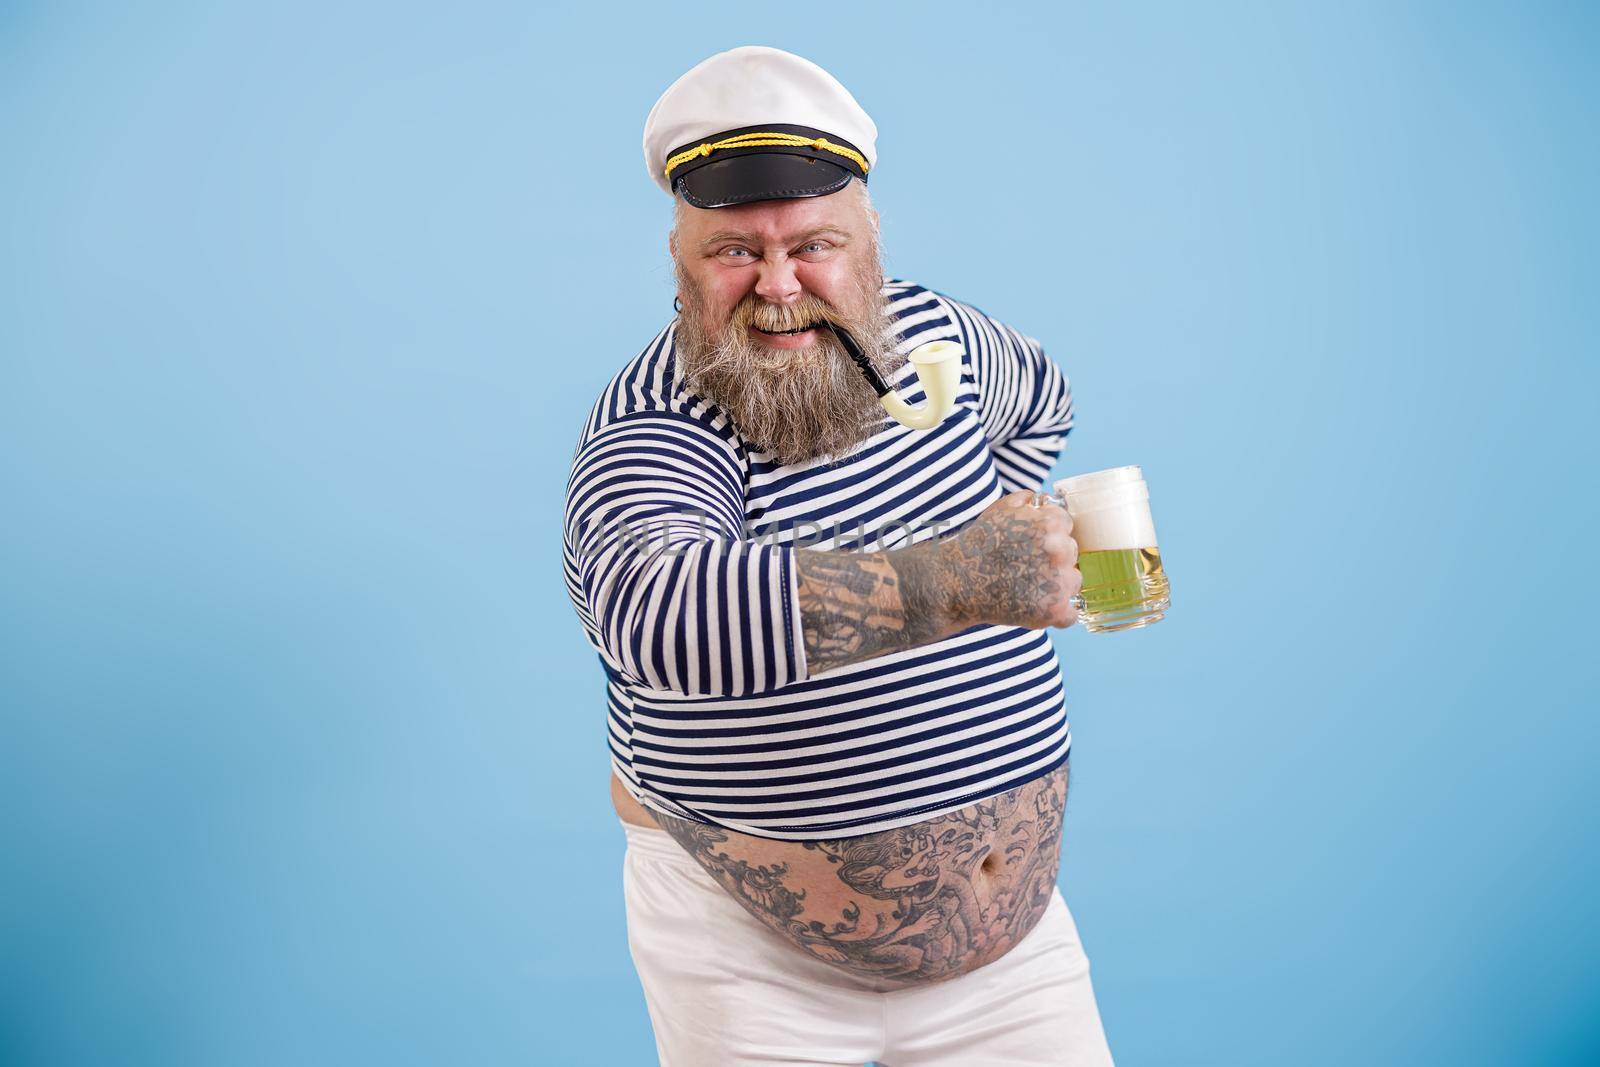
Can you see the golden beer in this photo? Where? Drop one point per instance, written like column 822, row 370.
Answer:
column 1124, row 586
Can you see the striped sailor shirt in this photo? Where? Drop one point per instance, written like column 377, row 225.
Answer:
column 679, row 557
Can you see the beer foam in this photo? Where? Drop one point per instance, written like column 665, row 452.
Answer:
column 1110, row 510
column 1119, row 527
column 1098, row 480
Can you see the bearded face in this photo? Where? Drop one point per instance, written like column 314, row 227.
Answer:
column 791, row 391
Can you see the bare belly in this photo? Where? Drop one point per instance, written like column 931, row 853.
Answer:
column 905, row 907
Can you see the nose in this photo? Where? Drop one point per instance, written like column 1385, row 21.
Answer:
column 779, row 282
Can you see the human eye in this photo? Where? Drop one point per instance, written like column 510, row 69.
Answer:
column 815, row 248
column 734, row 252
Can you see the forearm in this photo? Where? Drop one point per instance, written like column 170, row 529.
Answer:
column 1013, row 566
column 858, row 605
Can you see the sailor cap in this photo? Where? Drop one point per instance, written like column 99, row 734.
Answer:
column 757, row 123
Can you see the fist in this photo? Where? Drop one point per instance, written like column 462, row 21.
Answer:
column 1016, row 565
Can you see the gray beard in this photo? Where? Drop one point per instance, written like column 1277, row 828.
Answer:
column 797, row 404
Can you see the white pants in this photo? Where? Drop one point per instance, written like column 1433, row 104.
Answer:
column 725, row 991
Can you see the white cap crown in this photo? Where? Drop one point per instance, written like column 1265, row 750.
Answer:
column 750, row 86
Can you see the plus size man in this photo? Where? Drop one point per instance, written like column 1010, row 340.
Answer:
column 839, row 745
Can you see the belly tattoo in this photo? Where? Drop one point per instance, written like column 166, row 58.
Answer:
column 920, row 904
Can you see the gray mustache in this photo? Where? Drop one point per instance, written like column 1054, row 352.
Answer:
column 775, row 320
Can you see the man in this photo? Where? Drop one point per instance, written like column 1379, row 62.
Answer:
column 839, row 746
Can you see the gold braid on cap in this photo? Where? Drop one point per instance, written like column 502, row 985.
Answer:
column 762, row 140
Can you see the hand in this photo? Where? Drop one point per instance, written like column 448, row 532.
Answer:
column 1014, row 565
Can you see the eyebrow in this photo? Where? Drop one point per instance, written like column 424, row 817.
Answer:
column 752, row 238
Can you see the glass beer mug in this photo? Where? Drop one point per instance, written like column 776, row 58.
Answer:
column 1123, row 584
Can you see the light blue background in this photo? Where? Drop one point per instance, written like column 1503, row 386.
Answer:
column 303, row 755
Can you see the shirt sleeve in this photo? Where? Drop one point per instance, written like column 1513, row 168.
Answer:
column 1025, row 403
column 681, row 600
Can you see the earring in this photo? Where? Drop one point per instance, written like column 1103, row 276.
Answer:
column 677, row 308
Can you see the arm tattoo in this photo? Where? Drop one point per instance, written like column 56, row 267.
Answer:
column 854, row 606
column 857, row 606
column 918, row 910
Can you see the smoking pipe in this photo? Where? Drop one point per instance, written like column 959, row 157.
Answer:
column 938, row 366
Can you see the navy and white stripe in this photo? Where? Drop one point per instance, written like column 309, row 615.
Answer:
column 679, row 555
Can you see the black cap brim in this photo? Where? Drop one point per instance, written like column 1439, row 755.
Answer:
column 760, row 176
